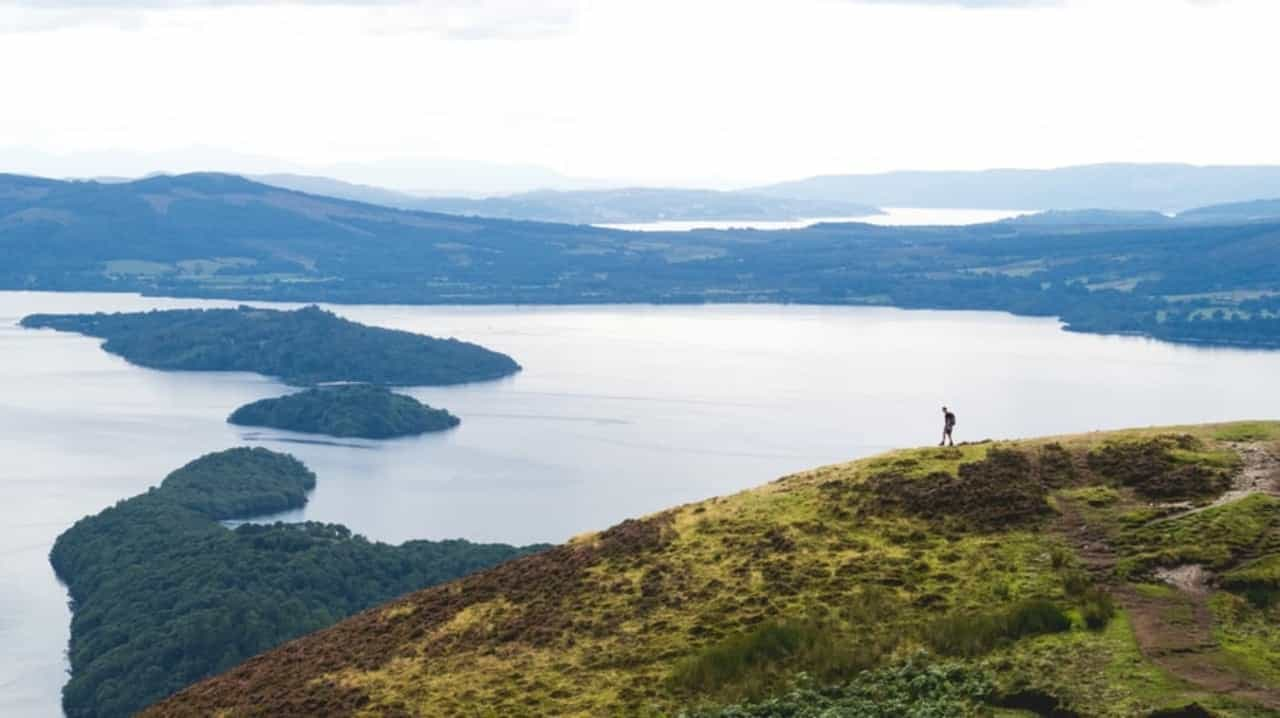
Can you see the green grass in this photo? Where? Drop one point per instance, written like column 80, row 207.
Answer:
column 1218, row 458
column 1158, row 591
column 975, row 634
column 1249, row 431
column 750, row 664
column 1093, row 495
column 1249, row 635
column 917, row 688
column 1218, row 537
column 1101, row 674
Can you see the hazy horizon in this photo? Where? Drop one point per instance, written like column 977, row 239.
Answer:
column 578, row 93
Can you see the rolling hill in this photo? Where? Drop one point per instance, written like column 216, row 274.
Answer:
column 643, row 204
column 1128, row 573
column 1163, row 187
column 1259, row 210
column 601, row 206
column 209, row 235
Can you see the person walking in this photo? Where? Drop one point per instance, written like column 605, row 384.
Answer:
column 948, row 423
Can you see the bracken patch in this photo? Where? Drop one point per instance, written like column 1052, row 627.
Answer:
column 539, row 585
column 999, row 491
column 1152, row 468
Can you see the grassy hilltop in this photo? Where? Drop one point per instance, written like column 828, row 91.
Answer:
column 1110, row 574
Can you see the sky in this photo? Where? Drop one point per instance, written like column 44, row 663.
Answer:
column 682, row 92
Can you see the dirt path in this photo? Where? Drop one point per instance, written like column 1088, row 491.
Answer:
column 1174, row 629
column 1259, row 475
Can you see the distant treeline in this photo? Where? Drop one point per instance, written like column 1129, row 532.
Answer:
column 225, row 237
column 164, row 595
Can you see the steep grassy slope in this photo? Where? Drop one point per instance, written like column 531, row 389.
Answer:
column 1103, row 574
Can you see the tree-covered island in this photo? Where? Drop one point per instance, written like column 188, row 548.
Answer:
column 346, row 410
column 302, row 347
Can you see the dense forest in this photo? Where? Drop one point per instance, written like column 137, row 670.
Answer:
column 302, row 347
column 223, row 236
column 346, row 410
column 163, row 594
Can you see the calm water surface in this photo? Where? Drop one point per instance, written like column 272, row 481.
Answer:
column 891, row 216
column 619, row 411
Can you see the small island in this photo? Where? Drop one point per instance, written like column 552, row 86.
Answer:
column 358, row 411
column 303, row 347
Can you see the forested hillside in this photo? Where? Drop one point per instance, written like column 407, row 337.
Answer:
column 223, row 236
column 164, row 595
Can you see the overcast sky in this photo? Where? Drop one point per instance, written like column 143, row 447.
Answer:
column 661, row 91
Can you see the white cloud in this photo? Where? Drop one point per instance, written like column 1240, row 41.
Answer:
column 662, row 90
column 969, row 3
column 456, row 18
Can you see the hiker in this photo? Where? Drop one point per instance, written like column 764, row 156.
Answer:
column 948, row 423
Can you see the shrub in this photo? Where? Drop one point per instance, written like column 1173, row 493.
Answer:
column 915, row 689
column 973, row 634
column 1097, row 608
column 1059, row 557
column 749, row 663
column 1075, row 583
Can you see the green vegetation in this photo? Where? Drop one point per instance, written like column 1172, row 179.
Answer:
column 1039, row 587
column 164, row 595
column 347, row 410
column 915, row 689
column 1218, row 537
column 976, row 634
column 222, row 236
column 1166, row 467
column 760, row 660
column 302, row 347
column 1248, row 431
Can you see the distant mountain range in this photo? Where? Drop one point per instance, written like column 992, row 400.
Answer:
column 1161, row 187
column 604, row 206
column 422, row 175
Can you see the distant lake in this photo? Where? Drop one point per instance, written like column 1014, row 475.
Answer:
column 892, row 216
column 620, row 411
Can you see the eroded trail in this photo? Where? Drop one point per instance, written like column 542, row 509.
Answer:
column 1260, row 474
column 1173, row 623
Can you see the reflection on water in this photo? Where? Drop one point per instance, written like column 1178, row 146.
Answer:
column 620, row 411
